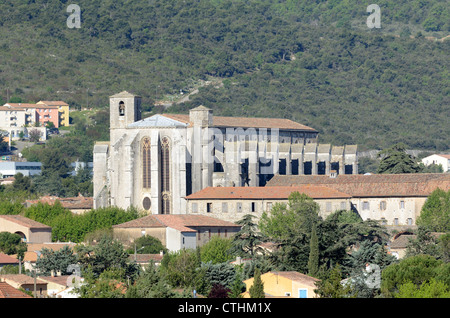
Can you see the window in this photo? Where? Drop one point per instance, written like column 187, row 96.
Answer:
column 146, row 203
column 396, row 221
column 209, row 207
column 410, row 221
column 121, row 109
column 194, row 207
column 383, row 205
column 343, row 205
column 253, row 207
column 328, row 207
column 146, row 160
column 402, row 204
column 383, row 221
column 165, row 175
column 269, row 206
column 302, row 293
column 239, row 207
column 224, row 207
column 365, row 205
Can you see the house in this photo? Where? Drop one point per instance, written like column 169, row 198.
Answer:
column 399, row 243
column 144, row 259
column 63, row 109
column 26, row 282
column 176, row 231
column 394, row 199
column 285, row 284
column 77, row 205
column 438, row 159
column 7, row 260
column 29, row 230
column 232, row 203
column 60, row 286
column 7, row 291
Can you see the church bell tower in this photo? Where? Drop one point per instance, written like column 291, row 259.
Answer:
column 125, row 108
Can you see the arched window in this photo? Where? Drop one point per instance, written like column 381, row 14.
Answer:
column 146, row 163
column 165, row 176
column 121, row 109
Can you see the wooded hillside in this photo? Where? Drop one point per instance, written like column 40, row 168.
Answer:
column 315, row 62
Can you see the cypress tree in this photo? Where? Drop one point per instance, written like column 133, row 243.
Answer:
column 257, row 289
column 313, row 262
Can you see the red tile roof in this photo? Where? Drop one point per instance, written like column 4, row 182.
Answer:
column 180, row 222
column 277, row 192
column 73, row 203
column 53, row 103
column 6, row 259
column 7, row 291
column 375, row 185
column 21, row 220
column 244, row 122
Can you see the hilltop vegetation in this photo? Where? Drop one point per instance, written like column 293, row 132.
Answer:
column 314, row 62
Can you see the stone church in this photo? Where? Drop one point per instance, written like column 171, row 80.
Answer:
column 155, row 162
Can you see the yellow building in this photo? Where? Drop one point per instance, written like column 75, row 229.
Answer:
column 63, row 111
column 288, row 284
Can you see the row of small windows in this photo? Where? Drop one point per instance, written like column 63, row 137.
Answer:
column 382, row 205
column 253, row 207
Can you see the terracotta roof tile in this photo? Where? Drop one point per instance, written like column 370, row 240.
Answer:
column 376, row 185
column 276, row 192
column 250, row 122
column 7, row 259
column 20, row 279
column 7, row 291
column 24, row 221
column 79, row 202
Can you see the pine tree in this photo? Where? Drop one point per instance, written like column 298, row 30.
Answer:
column 257, row 289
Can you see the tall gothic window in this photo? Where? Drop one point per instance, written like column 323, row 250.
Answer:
column 146, row 160
column 165, row 176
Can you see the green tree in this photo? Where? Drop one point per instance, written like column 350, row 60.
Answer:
column 416, row 269
column 295, row 218
column 331, row 285
column 395, row 160
column 257, row 288
column 248, row 237
column 435, row 213
column 428, row 289
column 147, row 244
column 11, row 243
column 55, row 261
column 313, row 262
column 150, row 284
column 217, row 250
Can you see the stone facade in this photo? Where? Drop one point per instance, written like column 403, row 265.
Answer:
column 154, row 163
column 232, row 203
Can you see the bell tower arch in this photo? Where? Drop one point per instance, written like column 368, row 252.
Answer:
column 125, row 108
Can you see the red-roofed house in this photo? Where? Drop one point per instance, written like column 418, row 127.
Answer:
column 285, row 284
column 394, row 199
column 232, row 203
column 7, row 291
column 7, row 260
column 28, row 229
column 176, row 231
